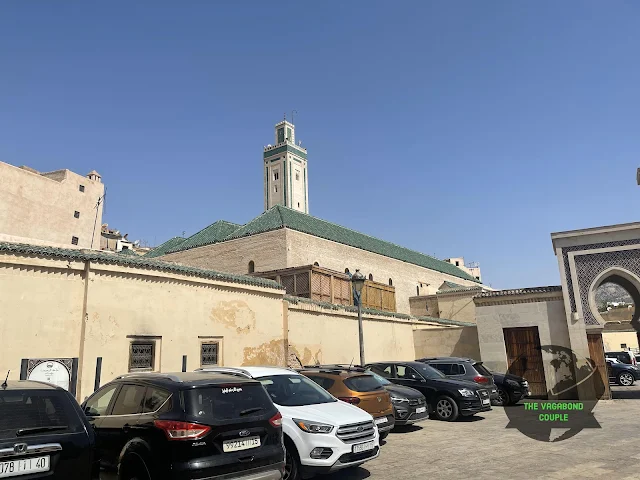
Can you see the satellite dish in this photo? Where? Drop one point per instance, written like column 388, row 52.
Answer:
column 268, row 145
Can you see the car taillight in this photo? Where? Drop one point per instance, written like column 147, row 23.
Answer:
column 481, row 379
column 351, row 400
column 276, row 420
column 182, row 430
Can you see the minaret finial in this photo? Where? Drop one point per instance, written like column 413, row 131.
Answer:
column 285, row 116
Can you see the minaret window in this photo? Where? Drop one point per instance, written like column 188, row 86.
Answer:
column 276, row 175
column 297, row 175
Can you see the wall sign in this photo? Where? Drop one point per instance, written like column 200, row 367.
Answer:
column 62, row 372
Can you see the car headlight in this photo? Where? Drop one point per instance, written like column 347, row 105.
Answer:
column 399, row 399
column 465, row 392
column 513, row 383
column 312, row 427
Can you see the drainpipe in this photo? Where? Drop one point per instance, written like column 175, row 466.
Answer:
column 83, row 329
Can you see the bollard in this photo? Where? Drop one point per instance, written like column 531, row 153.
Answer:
column 96, row 384
column 184, row 363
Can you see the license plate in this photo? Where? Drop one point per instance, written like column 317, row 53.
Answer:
column 364, row 447
column 380, row 420
column 421, row 409
column 486, row 401
column 240, row 444
column 24, row 467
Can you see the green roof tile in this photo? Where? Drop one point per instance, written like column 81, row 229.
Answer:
column 280, row 217
column 165, row 247
column 135, row 262
column 128, row 251
column 214, row 233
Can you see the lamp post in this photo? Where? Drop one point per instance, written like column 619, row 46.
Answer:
column 358, row 282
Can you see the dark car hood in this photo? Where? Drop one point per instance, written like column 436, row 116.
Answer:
column 499, row 378
column 455, row 383
column 402, row 391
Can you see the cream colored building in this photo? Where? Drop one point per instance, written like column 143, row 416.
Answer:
column 472, row 269
column 54, row 208
column 141, row 314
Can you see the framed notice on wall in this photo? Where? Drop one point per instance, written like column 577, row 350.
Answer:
column 62, row 372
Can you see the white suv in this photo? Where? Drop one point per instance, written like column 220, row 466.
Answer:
column 321, row 433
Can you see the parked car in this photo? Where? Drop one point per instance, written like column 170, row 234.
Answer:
column 622, row 373
column 449, row 397
column 321, row 434
column 625, row 357
column 186, row 425
column 637, row 359
column 43, row 433
column 511, row 389
column 353, row 385
column 409, row 405
column 464, row 369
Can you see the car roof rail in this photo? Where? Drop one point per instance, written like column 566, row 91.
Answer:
column 335, row 367
column 143, row 375
column 240, row 372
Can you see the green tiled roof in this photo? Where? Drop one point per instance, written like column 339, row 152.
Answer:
column 214, row 233
column 280, row 217
column 451, row 284
column 165, row 247
column 128, row 251
column 131, row 261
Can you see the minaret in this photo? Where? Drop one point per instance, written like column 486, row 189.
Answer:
column 285, row 171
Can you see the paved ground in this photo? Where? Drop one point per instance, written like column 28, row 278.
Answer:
column 481, row 448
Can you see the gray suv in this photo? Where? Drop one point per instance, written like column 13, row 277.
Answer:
column 464, row 369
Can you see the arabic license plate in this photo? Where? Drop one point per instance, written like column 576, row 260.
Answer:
column 240, row 444
column 486, row 401
column 380, row 420
column 421, row 409
column 15, row 468
column 364, row 447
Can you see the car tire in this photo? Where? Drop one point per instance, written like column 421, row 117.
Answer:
column 133, row 468
column 503, row 400
column 446, row 409
column 625, row 379
column 384, row 435
column 292, row 468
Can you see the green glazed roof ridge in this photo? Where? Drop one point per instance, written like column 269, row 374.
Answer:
column 163, row 247
column 200, row 238
column 439, row 265
column 137, row 261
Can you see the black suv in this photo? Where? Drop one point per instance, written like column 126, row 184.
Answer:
column 448, row 397
column 186, row 426
column 464, row 369
column 43, row 433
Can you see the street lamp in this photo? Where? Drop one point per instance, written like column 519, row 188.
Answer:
column 358, row 282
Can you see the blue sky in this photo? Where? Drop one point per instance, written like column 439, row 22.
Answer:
column 454, row 128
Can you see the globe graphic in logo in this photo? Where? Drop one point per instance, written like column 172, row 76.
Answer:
column 568, row 407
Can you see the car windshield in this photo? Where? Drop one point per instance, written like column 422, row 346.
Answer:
column 224, row 402
column 380, row 378
column 294, row 390
column 428, row 371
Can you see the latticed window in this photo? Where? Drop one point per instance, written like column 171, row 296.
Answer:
column 141, row 356
column 209, row 354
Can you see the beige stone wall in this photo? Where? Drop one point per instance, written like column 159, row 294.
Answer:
column 545, row 313
column 304, row 249
column 457, row 306
column 613, row 341
column 447, row 342
column 318, row 334
column 424, row 306
column 42, row 207
column 267, row 251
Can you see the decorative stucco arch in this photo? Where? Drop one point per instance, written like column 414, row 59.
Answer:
column 622, row 277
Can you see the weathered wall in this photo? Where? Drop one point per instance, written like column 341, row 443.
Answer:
column 447, row 342
column 42, row 207
column 304, row 249
column 545, row 313
column 424, row 306
column 267, row 251
column 613, row 341
column 318, row 334
column 457, row 306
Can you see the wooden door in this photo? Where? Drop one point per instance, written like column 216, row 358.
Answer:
column 524, row 357
column 596, row 353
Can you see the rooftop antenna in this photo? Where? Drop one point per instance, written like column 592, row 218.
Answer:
column 4, row 384
column 292, row 112
column 97, row 207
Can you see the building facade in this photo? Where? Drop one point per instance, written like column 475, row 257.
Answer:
column 55, row 208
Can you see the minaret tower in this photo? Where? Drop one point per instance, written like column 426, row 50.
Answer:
column 285, row 170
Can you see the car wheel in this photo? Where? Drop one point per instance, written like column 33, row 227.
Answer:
column 625, row 379
column 503, row 398
column 291, row 463
column 446, row 409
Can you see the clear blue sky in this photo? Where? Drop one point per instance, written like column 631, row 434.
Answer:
column 453, row 128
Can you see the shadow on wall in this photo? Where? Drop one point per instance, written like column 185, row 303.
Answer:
column 447, row 342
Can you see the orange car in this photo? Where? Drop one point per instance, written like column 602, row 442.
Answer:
column 353, row 385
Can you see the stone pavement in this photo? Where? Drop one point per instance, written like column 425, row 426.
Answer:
column 481, row 448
